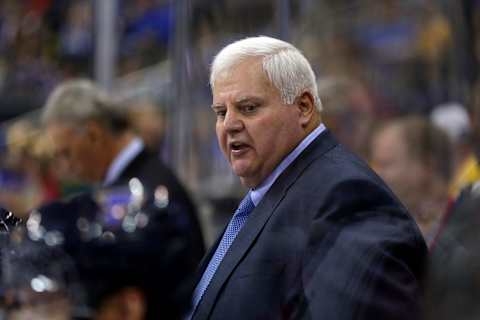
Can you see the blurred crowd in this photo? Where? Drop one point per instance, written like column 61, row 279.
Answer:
column 43, row 42
column 398, row 81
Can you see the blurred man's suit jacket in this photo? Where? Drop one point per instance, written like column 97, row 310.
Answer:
column 328, row 241
column 153, row 173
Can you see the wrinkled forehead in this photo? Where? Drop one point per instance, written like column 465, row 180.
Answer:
column 61, row 134
column 246, row 79
column 227, row 68
column 250, row 68
column 66, row 127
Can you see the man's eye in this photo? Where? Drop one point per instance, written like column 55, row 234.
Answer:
column 249, row 108
column 220, row 113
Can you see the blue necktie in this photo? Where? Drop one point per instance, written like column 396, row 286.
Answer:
column 233, row 228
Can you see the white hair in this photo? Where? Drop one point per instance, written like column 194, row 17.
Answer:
column 285, row 66
column 79, row 100
column 74, row 101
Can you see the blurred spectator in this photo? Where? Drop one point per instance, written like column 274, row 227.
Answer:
column 469, row 171
column 467, row 174
column 350, row 111
column 30, row 64
column 413, row 157
column 434, row 49
column 387, row 32
column 93, row 141
column 27, row 176
column 76, row 37
column 111, row 257
column 435, row 36
column 454, row 119
column 147, row 30
column 43, row 42
column 453, row 287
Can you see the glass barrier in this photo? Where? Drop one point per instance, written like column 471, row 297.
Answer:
column 375, row 61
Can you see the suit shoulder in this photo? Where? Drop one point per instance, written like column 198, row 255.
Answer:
column 338, row 165
column 344, row 187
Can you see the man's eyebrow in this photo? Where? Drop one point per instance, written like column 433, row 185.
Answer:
column 239, row 101
column 217, row 105
column 248, row 99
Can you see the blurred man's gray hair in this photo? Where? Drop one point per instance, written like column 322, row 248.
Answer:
column 285, row 66
column 76, row 101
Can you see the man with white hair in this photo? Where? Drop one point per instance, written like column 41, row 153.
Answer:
column 318, row 235
column 94, row 143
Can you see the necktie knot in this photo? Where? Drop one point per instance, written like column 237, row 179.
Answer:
column 245, row 207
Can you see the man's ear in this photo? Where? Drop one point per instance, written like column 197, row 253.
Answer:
column 306, row 106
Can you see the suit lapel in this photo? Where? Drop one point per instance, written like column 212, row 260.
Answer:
column 257, row 220
column 244, row 240
column 206, row 259
column 132, row 168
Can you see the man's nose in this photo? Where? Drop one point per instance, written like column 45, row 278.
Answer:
column 233, row 121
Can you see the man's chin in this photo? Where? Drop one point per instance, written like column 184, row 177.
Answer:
column 244, row 171
column 249, row 181
column 241, row 170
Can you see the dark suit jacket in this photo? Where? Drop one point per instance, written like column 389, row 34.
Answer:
column 156, row 258
column 328, row 241
column 452, row 288
column 152, row 172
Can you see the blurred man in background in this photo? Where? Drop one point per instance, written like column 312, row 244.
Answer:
column 453, row 287
column 102, row 256
column 318, row 235
column 414, row 158
column 94, row 143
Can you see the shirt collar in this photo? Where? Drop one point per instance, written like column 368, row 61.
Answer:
column 122, row 160
column 258, row 192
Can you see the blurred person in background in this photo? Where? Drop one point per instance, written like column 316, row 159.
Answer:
column 27, row 177
column 148, row 27
column 76, row 37
column 350, row 111
column 29, row 63
column 470, row 185
column 318, row 235
column 454, row 119
column 469, row 171
column 93, row 142
column 108, row 255
column 453, row 287
column 435, row 47
column 414, row 158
